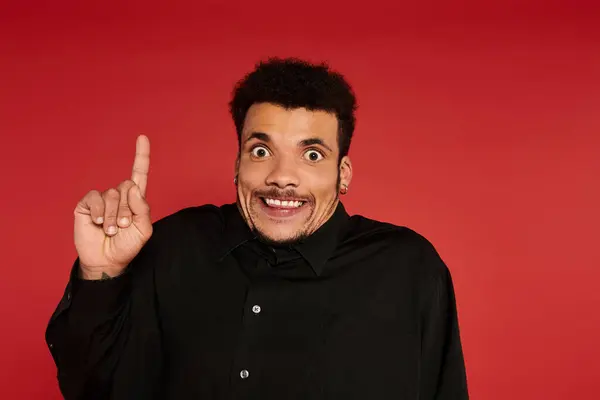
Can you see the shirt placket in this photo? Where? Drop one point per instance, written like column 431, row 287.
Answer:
column 246, row 370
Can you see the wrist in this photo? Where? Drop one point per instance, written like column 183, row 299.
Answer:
column 99, row 274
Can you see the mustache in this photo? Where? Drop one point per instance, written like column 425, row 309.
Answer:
column 278, row 193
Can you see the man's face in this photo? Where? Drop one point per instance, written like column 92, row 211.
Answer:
column 288, row 171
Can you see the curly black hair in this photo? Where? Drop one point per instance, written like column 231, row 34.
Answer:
column 294, row 83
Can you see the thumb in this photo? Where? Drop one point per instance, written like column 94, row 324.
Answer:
column 140, row 209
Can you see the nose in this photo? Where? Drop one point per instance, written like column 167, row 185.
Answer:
column 283, row 174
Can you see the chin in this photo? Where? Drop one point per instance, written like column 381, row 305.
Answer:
column 279, row 238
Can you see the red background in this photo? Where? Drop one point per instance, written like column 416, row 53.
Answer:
column 478, row 127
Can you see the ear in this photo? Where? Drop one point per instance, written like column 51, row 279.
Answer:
column 236, row 168
column 345, row 171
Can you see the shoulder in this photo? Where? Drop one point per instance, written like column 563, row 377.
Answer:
column 406, row 247
column 191, row 230
column 412, row 261
column 211, row 214
column 206, row 219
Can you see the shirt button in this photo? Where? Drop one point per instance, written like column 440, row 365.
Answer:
column 244, row 373
column 69, row 296
column 256, row 309
column 51, row 345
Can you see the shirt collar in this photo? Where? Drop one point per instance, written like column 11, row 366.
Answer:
column 236, row 231
column 316, row 249
column 319, row 247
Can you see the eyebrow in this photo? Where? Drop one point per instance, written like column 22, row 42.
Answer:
column 260, row 136
column 303, row 143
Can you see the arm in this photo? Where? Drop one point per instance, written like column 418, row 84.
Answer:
column 443, row 372
column 87, row 334
column 90, row 327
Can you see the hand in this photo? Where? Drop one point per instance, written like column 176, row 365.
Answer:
column 112, row 227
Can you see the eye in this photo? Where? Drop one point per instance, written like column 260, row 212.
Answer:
column 313, row 155
column 260, row 152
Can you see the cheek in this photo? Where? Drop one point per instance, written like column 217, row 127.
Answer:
column 251, row 178
column 324, row 185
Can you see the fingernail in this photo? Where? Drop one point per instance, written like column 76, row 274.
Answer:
column 99, row 220
column 123, row 221
column 111, row 230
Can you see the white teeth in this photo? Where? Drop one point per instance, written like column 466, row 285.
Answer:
column 285, row 203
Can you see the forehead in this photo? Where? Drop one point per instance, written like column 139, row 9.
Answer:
column 277, row 121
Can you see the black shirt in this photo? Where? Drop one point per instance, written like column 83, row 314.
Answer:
column 361, row 309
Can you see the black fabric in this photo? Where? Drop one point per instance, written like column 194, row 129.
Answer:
column 361, row 309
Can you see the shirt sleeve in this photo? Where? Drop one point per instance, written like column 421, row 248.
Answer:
column 443, row 372
column 86, row 332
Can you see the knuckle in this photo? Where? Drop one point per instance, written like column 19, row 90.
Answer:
column 111, row 196
column 110, row 213
column 90, row 197
column 111, row 210
column 124, row 211
column 97, row 207
column 91, row 201
column 138, row 170
column 111, row 193
column 126, row 184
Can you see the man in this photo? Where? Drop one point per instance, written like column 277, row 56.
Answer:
column 282, row 295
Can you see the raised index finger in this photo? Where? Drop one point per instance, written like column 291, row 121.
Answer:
column 141, row 164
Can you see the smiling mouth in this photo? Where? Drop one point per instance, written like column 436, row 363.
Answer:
column 277, row 203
